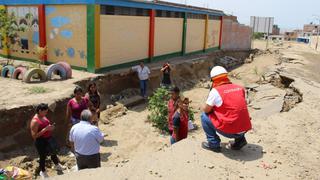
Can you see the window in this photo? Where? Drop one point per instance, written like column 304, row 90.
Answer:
column 169, row 14
column 196, row 16
column 24, row 44
column 125, row 11
column 212, row 17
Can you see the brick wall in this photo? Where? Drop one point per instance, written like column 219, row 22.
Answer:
column 235, row 36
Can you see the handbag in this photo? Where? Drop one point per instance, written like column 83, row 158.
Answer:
column 53, row 146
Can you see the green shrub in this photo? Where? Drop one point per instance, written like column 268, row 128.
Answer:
column 257, row 35
column 158, row 107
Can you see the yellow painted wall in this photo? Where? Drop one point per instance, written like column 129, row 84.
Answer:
column 168, row 35
column 30, row 35
column 66, row 33
column 216, row 30
column 210, row 34
column 123, row 39
column 195, row 35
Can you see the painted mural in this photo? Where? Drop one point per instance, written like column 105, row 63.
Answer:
column 25, row 43
column 67, row 34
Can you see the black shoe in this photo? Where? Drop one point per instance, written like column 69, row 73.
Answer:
column 206, row 146
column 239, row 143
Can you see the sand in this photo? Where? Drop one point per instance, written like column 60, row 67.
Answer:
column 282, row 145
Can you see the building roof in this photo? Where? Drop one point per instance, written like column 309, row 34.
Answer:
column 159, row 5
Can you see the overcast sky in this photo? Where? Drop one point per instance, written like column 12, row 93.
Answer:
column 288, row 14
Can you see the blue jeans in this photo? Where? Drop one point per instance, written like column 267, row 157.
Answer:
column 211, row 132
column 143, row 87
column 172, row 141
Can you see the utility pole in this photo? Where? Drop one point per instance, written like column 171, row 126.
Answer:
column 318, row 34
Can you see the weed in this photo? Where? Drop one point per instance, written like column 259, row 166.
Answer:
column 38, row 90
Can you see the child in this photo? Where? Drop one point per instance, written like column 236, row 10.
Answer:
column 180, row 120
column 94, row 97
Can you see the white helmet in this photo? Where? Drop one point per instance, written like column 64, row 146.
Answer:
column 217, row 70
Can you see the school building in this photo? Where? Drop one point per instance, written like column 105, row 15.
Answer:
column 101, row 35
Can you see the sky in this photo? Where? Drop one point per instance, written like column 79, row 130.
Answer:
column 288, row 14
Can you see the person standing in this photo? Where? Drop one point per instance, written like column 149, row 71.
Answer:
column 143, row 74
column 225, row 112
column 94, row 97
column 76, row 105
column 180, row 121
column 172, row 106
column 86, row 139
column 166, row 80
column 41, row 131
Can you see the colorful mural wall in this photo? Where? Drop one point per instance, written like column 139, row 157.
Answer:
column 66, row 34
column 25, row 43
column 117, row 33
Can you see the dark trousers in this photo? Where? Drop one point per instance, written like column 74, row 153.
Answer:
column 42, row 148
column 88, row 162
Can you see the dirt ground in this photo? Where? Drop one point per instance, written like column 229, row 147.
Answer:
column 15, row 93
column 282, row 145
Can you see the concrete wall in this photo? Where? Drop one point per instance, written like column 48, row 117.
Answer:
column 66, row 31
column 168, row 35
column 123, row 39
column 235, row 36
column 213, row 33
column 195, row 35
column 24, row 46
column 313, row 42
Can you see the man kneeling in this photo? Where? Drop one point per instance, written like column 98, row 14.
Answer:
column 86, row 139
column 225, row 112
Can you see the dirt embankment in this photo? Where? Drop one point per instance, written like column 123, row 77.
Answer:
column 14, row 122
column 282, row 143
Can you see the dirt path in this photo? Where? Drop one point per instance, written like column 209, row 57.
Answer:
column 281, row 145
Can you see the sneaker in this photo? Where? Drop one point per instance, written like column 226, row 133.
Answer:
column 43, row 175
column 206, row 146
column 59, row 167
column 238, row 144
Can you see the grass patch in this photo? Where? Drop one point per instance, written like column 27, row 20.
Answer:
column 38, row 90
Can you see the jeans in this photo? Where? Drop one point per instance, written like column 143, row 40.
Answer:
column 143, row 87
column 172, row 141
column 211, row 132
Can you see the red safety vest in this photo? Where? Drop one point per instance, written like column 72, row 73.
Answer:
column 232, row 116
column 183, row 128
column 42, row 125
column 170, row 114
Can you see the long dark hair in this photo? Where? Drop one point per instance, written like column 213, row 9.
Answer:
column 90, row 85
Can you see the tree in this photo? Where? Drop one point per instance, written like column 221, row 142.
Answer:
column 8, row 29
